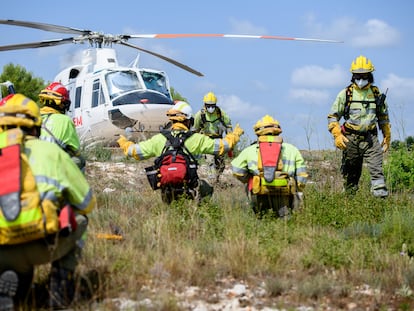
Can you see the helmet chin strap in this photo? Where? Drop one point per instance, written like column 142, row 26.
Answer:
column 61, row 108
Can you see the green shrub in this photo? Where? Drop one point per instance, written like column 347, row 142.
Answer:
column 399, row 169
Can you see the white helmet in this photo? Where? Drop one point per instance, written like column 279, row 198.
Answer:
column 181, row 111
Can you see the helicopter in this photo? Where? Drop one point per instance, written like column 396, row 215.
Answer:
column 108, row 99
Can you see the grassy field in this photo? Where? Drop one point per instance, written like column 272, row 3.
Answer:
column 335, row 253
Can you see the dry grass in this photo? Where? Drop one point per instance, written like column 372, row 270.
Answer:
column 322, row 257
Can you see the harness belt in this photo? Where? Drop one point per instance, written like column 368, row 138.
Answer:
column 347, row 130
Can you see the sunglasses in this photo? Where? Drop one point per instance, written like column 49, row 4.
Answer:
column 209, row 105
column 363, row 76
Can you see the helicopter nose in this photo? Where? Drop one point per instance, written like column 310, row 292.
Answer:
column 147, row 97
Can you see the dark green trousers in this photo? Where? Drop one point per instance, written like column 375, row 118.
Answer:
column 362, row 148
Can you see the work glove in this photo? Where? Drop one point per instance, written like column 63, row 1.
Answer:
column 238, row 130
column 340, row 139
column 386, row 132
column 124, row 144
column 128, row 132
column 231, row 139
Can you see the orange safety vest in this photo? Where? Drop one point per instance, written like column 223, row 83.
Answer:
column 23, row 217
column 271, row 179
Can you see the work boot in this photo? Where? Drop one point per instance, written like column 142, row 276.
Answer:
column 62, row 288
column 8, row 288
column 380, row 193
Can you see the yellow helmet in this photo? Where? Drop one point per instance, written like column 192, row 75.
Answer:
column 19, row 110
column 267, row 126
column 181, row 111
column 361, row 64
column 210, row 99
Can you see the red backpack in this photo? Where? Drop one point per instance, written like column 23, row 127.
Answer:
column 175, row 167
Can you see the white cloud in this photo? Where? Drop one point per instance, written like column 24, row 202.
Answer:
column 376, row 33
column 246, row 27
column 70, row 57
column 399, row 98
column 260, row 85
column 239, row 109
column 336, row 30
column 399, row 88
column 310, row 96
column 360, row 34
column 317, row 76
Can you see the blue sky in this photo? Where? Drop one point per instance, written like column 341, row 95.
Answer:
column 295, row 82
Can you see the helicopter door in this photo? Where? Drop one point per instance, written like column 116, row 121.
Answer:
column 74, row 111
column 95, row 114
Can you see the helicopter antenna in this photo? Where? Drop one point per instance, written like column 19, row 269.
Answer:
column 136, row 61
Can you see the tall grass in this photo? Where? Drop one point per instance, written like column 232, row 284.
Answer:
column 331, row 246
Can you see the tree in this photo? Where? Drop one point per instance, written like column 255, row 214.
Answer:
column 176, row 96
column 24, row 81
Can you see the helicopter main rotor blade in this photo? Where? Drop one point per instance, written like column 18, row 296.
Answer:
column 46, row 27
column 170, row 60
column 32, row 45
column 217, row 35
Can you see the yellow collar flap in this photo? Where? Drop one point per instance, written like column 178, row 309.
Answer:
column 270, row 139
column 48, row 110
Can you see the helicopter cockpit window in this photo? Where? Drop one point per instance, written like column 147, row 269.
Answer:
column 155, row 81
column 120, row 82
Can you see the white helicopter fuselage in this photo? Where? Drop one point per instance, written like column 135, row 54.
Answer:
column 107, row 99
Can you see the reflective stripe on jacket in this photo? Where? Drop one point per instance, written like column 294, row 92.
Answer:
column 245, row 166
column 62, row 128
column 57, row 176
column 196, row 144
column 214, row 125
column 362, row 110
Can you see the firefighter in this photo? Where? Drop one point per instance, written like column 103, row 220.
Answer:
column 57, row 127
column 54, row 181
column 214, row 122
column 181, row 117
column 274, row 171
column 363, row 107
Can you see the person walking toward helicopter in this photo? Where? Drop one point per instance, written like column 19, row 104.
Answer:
column 214, row 122
column 57, row 127
column 362, row 106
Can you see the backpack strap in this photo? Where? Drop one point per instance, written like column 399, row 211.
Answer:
column 177, row 142
column 67, row 149
column 204, row 119
column 379, row 99
column 348, row 99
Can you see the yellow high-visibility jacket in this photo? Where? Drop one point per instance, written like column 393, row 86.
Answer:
column 196, row 144
column 245, row 165
column 59, row 128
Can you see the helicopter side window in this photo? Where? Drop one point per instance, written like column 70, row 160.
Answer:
column 78, row 96
column 120, row 82
column 95, row 93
